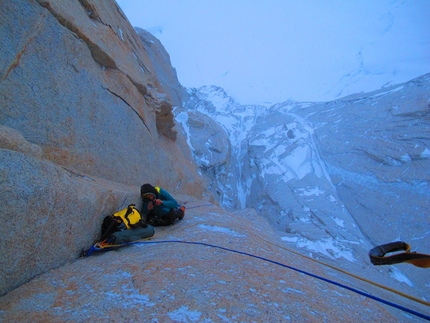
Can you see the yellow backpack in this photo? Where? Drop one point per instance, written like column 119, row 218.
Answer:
column 129, row 216
column 121, row 228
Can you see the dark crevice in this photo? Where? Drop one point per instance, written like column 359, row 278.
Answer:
column 77, row 174
column 119, row 97
column 90, row 10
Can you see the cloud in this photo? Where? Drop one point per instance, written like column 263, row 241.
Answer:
column 271, row 51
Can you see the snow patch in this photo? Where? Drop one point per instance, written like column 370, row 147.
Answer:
column 309, row 191
column 331, row 198
column 406, row 158
column 182, row 118
column 398, row 275
column 339, row 222
column 220, row 229
column 425, row 153
column 290, row 239
column 183, row 314
column 328, row 247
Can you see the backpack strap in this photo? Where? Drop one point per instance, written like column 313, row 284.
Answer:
column 377, row 255
column 139, row 224
column 129, row 211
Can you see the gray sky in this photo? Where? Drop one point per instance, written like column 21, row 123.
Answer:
column 269, row 51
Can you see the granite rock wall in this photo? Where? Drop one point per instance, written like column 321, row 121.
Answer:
column 84, row 121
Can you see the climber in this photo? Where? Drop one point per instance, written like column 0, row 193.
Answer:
column 159, row 207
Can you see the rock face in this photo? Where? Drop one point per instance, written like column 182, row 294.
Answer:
column 216, row 151
column 376, row 148
column 166, row 74
column 226, row 171
column 85, row 121
column 210, row 147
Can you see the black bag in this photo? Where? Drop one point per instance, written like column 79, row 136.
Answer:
column 109, row 227
column 121, row 237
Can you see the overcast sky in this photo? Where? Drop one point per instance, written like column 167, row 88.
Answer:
column 269, row 51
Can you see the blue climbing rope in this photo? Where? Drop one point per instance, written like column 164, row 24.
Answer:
column 378, row 299
column 196, row 206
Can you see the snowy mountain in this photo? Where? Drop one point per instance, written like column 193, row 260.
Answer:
column 334, row 179
column 228, row 172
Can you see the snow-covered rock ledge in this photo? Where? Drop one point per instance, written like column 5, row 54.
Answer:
column 181, row 282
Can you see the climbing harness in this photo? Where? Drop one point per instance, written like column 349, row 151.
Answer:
column 377, row 255
column 104, row 245
column 196, row 206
